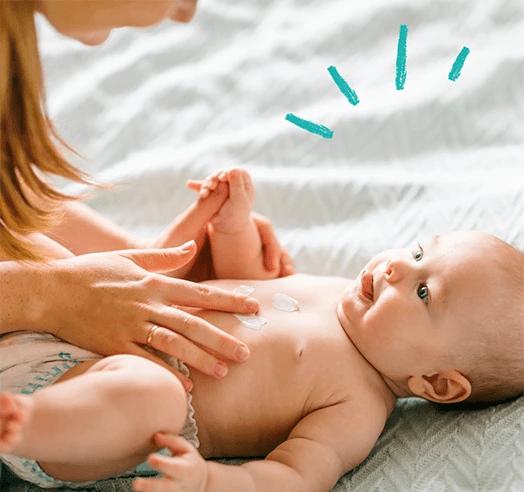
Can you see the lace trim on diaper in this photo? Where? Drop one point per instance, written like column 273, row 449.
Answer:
column 190, row 429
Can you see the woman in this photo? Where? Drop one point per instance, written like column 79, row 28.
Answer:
column 105, row 295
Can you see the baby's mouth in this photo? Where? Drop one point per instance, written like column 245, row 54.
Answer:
column 366, row 286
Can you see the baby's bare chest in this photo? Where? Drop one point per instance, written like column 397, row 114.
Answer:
column 300, row 360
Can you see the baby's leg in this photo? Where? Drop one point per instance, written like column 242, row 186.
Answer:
column 236, row 246
column 100, row 423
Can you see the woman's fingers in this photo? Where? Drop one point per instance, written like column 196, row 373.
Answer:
column 194, row 184
column 286, row 264
column 162, row 259
column 270, row 244
column 137, row 350
column 197, row 330
column 185, row 293
column 173, row 342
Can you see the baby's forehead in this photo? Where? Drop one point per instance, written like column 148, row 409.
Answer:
column 468, row 265
column 467, row 248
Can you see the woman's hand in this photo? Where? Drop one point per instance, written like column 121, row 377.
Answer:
column 108, row 303
column 186, row 470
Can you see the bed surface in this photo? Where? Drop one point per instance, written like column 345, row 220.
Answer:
column 149, row 111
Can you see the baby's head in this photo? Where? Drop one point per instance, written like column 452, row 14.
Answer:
column 444, row 320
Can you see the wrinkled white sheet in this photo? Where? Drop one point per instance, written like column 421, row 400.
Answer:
column 151, row 109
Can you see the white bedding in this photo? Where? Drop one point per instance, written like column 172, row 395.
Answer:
column 151, row 109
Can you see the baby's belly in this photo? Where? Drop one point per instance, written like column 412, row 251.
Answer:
column 253, row 409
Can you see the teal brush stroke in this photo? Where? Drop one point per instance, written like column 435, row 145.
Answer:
column 310, row 126
column 400, row 79
column 454, row 74
column 343, row 86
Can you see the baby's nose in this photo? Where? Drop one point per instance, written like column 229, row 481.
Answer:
column 393, row 270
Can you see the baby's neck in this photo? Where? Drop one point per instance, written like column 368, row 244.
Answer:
column 396, row 389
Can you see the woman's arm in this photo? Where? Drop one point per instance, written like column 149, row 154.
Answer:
column 83, row 230
column 18, row 310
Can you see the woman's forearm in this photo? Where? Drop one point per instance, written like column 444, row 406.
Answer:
column 83, row 230
column 22, row 305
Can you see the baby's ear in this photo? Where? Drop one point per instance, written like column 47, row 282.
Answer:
column 443, row 387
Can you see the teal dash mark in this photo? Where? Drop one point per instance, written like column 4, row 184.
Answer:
column 343, row 86
column 400, row 79
column 454, row 74
column 321, row 130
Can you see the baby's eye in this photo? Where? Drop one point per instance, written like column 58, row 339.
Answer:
column 423, row 292
column 418, row 253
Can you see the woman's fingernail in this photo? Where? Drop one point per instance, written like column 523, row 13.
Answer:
column 251, row 303
column 186, row 247
column 242, row 353
column 220, row 369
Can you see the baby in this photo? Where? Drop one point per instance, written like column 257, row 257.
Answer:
column 329, row 358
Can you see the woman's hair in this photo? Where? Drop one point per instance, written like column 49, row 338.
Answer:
column 28, row 140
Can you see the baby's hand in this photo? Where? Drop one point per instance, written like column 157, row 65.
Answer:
column 234, row 214
column 186, row 470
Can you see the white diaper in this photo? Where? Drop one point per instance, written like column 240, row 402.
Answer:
column 30, row 361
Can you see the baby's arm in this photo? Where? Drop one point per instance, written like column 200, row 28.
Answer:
column 236, row 246
column 322, row 447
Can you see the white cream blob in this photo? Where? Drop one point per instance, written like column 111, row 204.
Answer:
column 244, row 290
column 283, row 302
column 252, row 321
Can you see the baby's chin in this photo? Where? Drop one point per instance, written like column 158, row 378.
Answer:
column 345, row 323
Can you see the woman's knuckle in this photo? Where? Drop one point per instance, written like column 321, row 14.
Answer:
column 167, row 338
column 204, row 291
column 191, row 323
column 224, row 345
column 150, row 280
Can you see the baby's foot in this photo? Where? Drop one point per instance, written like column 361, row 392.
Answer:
column 235, row 212
column 15, row 412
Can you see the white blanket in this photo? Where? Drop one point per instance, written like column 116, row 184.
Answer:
column 151, row 109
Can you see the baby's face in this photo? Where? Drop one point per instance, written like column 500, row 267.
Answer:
column 409, row 306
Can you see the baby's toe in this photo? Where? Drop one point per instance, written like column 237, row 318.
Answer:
column 236, row 182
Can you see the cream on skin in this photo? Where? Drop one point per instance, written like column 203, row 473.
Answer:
column 91, row 21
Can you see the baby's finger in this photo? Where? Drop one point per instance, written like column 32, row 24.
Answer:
column 177, row 444
column 167, row 465
column 153, row 485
